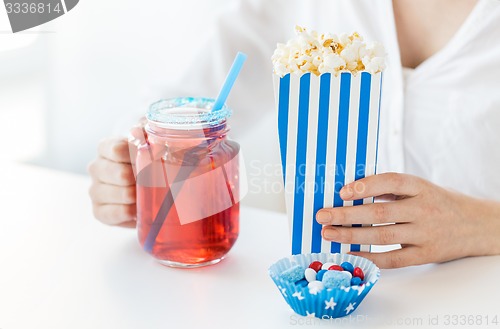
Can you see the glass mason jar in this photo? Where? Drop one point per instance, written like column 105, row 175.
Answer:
column 187, row 176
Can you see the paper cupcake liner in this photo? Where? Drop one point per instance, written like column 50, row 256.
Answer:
column 329, row 303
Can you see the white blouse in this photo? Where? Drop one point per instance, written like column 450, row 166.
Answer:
column 442, row 123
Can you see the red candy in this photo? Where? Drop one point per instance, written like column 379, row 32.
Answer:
column 335, row 268
column 358, row 273
column 316, row 266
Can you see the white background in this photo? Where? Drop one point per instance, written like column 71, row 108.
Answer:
column 85, row 75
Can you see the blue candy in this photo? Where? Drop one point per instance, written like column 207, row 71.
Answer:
column 336, row 279
column 347, row 267
column 293, row 274
column 303, row 283
column 355, row 281
column 320, row 274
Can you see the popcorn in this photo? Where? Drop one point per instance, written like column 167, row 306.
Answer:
column 311, row 52
column 332, row 63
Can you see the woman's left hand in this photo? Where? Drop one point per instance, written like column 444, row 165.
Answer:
column 432, row 224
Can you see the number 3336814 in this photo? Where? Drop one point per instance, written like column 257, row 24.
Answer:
column 31, row 8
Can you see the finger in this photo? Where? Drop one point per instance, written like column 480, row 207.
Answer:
column 375, row 213
column 377, row 185
column 138, row 132
column 385, row 198
column 129, row 224
column 393, row 259
column 112, row 194
column 138, row 137
column 110, row 172
column 381, row 235
column 114, row 214
column 114, row 149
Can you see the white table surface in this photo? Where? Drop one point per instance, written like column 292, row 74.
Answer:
column 60, row 268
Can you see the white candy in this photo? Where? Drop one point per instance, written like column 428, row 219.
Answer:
column 310, row 274
column 326, row 266
column 315, row 287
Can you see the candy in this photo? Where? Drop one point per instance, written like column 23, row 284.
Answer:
column 358, row 273
column 347, row 267
column 355, row 281
column 293, row 274
column 303, row 283
column 336, row 279
column 326, row 266
column 316, row 266
column 328, row 275
column 335, row 268
column 320, row 274
column 315, row 287
column 310, row 274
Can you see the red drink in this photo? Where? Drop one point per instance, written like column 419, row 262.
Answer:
column 187, row 191
column 199, row 242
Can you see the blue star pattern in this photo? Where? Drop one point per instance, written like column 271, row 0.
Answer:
column 358, row 288
column 283, row 291
column 310, row 315
column 333, row 306
column 330, row 304
column 298, row 294
column 349, row 308
column 309, row 300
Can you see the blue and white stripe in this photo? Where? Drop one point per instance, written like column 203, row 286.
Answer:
column 328, row 134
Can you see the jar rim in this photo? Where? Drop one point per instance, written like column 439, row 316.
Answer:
column 169, row 113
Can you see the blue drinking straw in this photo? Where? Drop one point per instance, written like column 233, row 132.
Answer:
column 230, row 79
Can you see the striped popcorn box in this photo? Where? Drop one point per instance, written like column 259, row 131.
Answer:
column 328, row 135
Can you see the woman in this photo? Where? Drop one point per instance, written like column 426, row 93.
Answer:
column 440, row 110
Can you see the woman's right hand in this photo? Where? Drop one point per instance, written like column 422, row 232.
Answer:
column 113, row 184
